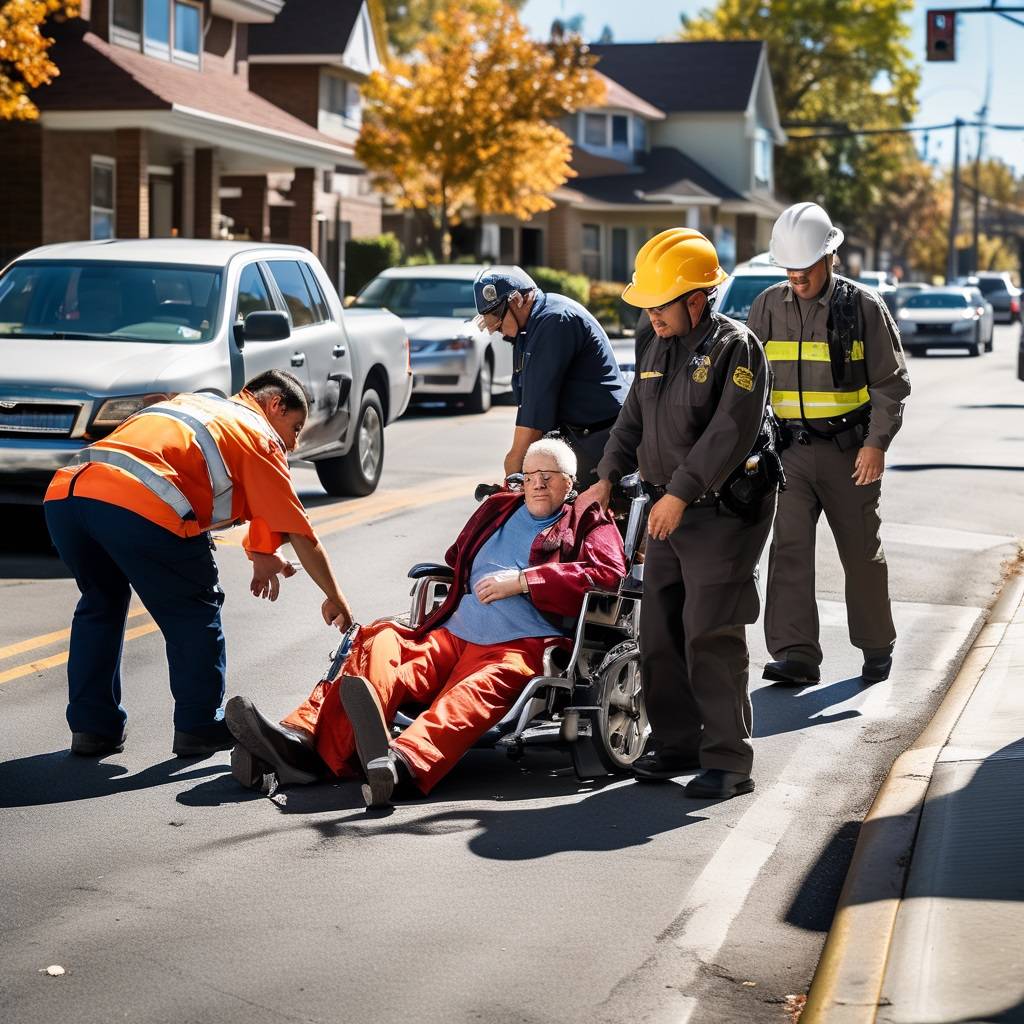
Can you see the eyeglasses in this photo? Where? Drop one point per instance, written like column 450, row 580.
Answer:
column 542, row 475
column 665, row 305
column 496, row 314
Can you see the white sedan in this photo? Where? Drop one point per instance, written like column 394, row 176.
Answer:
column 946, row 318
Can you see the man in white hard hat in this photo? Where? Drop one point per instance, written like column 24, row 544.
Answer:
column 840, row 381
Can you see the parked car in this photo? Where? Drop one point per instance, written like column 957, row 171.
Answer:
column 998, row 289
column 879, row 281
column 744, row 285
column 452, row 359
column 91, row 332
column 946, row 318
column 899, row 295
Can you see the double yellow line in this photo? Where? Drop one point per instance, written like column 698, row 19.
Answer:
column 327, row 520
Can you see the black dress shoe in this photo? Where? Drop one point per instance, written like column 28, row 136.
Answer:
column 202, row 744
column 659, row 765
column 373, row 739
column 247, row 769
column 718, row 784
column 792, row 672
column 876, row 668
column 91, row 744
column 288, row 754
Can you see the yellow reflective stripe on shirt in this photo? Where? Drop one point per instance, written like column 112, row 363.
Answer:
column 818, row 404
column 813, row 351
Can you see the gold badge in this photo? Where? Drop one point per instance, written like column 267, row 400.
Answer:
column 743, row 378
column 700, row 375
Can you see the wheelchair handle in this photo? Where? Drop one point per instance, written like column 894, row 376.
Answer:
column 513, row 482
column 485, row 491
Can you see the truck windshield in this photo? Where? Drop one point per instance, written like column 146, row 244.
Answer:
column 420, row 296
column 740, row 295
column 88, row 300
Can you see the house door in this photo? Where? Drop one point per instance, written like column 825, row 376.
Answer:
column 532, row 247
column 161, row 206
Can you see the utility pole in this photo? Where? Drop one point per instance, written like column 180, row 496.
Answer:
column 954, row 219
column 982, row 119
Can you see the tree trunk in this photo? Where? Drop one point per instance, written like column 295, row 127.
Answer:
column 445, row 241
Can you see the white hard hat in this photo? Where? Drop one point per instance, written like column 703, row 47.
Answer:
column 802, row 235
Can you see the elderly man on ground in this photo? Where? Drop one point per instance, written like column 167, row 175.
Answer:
column 522, row 565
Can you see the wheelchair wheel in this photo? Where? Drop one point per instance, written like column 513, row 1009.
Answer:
column 619, row 725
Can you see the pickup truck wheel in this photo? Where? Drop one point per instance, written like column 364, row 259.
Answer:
column 480, row 397
column 357, row 472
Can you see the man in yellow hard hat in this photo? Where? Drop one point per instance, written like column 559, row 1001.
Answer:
column 696, row 421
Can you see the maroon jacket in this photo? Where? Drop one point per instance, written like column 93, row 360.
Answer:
column 581, row 551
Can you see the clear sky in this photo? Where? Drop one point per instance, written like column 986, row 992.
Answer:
column 947, row 90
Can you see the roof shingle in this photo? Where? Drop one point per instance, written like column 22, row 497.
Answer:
column 684, row 77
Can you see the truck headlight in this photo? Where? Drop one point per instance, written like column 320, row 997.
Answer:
column 116, row 410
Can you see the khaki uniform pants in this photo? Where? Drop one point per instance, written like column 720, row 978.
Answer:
column 818, row 478
column 700, row 593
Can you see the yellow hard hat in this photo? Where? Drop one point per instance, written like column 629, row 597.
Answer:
column 672, row 263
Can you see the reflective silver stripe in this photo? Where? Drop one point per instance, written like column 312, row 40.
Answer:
column 216, row 469
column 255, row 420
column 159, row 485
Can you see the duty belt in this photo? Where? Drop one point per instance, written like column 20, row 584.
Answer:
column 657, row 491
column 593, row 428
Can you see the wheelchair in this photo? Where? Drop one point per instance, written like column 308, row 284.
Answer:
column 589, row 699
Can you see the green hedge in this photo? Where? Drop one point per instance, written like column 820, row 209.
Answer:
column 365, row 258
column 575, row 286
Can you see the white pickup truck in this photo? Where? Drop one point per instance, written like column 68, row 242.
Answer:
column 90, row 332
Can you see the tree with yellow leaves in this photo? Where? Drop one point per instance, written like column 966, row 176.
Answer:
column 464, row 122
column 24, row 53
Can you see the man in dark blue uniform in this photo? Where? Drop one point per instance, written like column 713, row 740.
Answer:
column 565, row 376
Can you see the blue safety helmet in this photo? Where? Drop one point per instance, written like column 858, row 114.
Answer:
column 493, row 286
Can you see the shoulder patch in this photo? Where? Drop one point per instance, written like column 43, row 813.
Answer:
column 743, row 378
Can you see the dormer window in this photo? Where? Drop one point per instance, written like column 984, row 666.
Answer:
column 165, row 29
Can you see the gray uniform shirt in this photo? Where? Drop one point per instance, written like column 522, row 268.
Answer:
column 690, row 419
column 777, row 315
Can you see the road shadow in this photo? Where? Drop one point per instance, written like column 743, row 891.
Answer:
column 782, row 709
column 604, row 821
column 814, row 905
column 995, row 405
column 61, row 777
column 26, row 551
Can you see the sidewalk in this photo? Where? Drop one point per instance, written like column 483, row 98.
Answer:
column 930, row 924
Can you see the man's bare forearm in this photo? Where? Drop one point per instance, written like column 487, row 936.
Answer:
column 314, row 560
column 521, row 440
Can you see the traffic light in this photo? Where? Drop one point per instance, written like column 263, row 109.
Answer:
column 941, row 35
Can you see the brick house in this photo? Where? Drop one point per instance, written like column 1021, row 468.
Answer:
column 685, row 136
column 160, row 124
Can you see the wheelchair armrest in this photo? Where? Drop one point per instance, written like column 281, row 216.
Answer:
column 421, row 569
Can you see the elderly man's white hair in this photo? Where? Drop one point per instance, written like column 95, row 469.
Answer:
column 564, row 456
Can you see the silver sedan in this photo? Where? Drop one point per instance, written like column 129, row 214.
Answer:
column 946, row 318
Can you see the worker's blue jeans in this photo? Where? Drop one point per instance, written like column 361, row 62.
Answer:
column 111, row 550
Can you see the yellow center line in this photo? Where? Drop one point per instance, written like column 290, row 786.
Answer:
column 330, row 520
column 24, row 646
column 59, row 659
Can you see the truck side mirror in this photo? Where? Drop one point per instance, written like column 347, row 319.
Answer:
column 266, row 325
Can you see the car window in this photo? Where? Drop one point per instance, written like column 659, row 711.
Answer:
column 990, row 285
column 253, row 295
column 420, row 296
column 740, row 294
column 86, row 299
column 319, row 302
column 937, row 300
column 289, row 279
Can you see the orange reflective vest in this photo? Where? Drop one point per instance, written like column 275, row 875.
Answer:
column 191, row 464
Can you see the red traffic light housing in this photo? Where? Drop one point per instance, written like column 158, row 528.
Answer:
column 941, row 35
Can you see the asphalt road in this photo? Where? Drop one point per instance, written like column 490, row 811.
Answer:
column 515, row 893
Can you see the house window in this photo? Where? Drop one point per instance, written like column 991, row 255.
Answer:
column 620, row 254
column 591, row 250
column 341, row 98
column 102, row 198
column 639, row 135
column 595, row 129
column 166, row 29
column 620, row 130
column 763, row 153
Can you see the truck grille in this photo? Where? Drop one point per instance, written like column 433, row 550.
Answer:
column 31, row 419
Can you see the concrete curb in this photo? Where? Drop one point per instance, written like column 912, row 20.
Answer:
column 848, row 981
